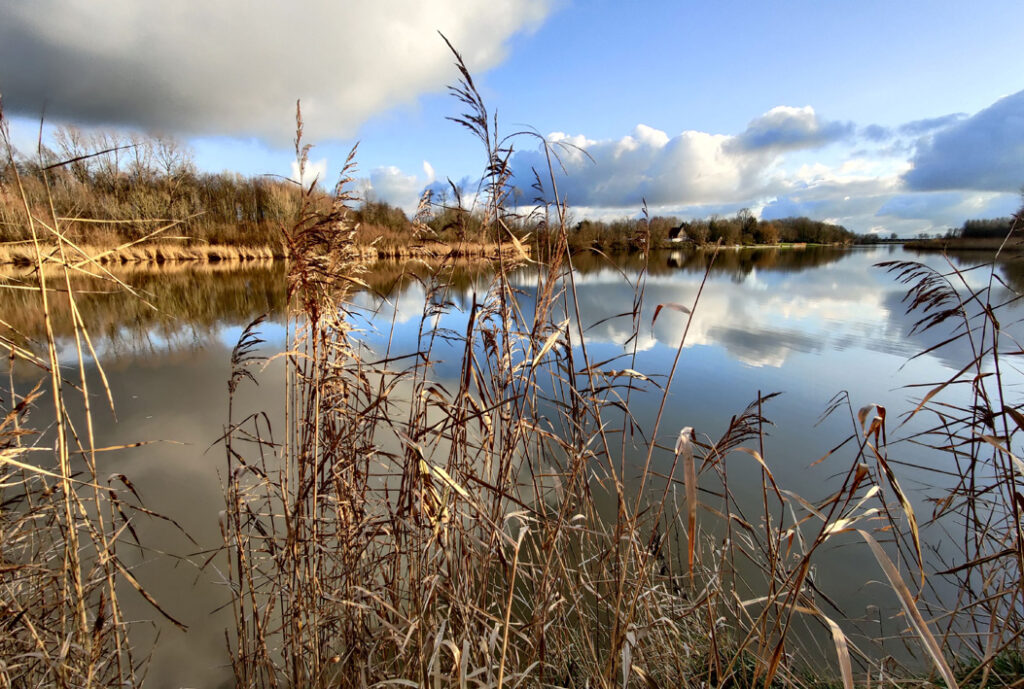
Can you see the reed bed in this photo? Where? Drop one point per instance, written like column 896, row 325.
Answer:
column 989, row 245
column 65, row 524
column 518, row 527
column 159, row 253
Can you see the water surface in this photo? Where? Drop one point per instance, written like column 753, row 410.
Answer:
column 809, row 323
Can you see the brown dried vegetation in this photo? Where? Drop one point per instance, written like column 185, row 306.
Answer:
column 498, row 531
column 64, row 527
column 494, row 532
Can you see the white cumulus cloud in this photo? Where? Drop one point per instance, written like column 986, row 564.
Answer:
column 778, row 166
column 788, row 128
column 691, row 167
column 398, row 188
column 314, row 170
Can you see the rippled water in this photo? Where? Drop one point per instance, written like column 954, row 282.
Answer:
column 807, row 323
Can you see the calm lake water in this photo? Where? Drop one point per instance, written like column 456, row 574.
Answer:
column 807, row 323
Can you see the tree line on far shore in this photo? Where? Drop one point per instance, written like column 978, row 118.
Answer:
column 984, row 233
column 988, row 228
column 111, row 188
column 144, row 182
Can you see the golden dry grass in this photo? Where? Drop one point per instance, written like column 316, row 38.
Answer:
column 490, row 532
column 65, row 525
column 493, row 532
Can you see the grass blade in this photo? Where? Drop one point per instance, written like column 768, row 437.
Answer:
column 910, row 608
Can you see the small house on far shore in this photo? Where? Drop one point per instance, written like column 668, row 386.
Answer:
column 678, row 234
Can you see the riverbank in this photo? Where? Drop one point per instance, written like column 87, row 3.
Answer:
column 158, row 253
column 25, row 253
column 168, row 252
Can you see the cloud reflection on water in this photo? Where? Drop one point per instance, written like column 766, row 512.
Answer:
column 809, row 322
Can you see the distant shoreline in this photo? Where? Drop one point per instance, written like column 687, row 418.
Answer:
column 966, row 244
column 24, row 253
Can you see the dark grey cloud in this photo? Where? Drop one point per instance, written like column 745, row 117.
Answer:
column 921, row 205
column 439, row 189
column 789, row 207
column 785, row 129
column 233, row 67
column 880, row 134
column 707, row 210
column 984, row 152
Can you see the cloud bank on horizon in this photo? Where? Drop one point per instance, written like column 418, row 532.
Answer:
column 925, row 175
column 236, row 67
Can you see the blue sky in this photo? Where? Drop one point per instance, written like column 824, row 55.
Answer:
column 884, row 116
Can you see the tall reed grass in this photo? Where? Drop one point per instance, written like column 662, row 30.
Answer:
column 516, row 525
column 498, row 530
column 65, row 523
